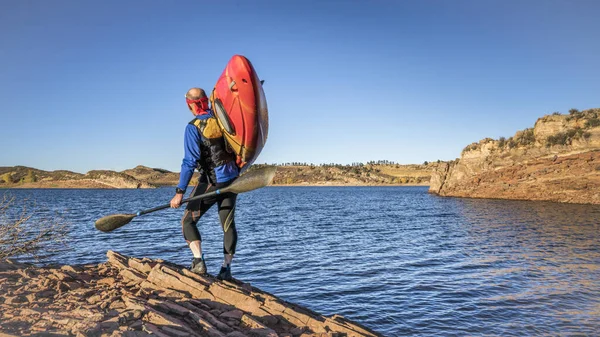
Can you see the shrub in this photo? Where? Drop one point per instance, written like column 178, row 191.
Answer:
column 470, row 147
column 501, row 142
column 21, row 237
column 524, row 137
column 7, row 178
column 557, row 139
column 556, row 113
column 527, row 137
column 573, row 112
column 571, row 133
column 29, row 178
column 587, row 135
column 511, row 143
column 425, row 163
column 592, row 122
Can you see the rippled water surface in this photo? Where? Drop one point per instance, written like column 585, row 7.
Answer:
column 395, row 259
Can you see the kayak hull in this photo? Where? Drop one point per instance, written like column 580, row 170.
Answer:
column 240, row 106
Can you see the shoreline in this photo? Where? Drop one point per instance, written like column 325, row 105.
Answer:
column 173, row 186
column 127, row 296
column 347, row 185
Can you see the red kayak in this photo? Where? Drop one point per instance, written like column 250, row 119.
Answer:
column 240, row 106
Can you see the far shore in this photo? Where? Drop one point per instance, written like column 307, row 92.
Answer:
column 346, row 185
column 104, row 187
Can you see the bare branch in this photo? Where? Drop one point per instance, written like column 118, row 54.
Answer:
column 22, row 234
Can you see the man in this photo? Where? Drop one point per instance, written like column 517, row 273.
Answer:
column 205, row 149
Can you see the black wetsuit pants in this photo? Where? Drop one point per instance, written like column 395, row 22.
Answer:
column 195, row 210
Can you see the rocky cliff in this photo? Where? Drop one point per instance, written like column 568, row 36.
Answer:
column 557, row 160
column 143, row 297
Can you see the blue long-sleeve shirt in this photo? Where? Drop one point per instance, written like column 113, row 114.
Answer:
column 191, row 146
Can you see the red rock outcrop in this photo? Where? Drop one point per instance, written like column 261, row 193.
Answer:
column 557, row 160
column 140, row 297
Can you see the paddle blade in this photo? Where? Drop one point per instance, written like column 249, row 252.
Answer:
column 252, row 180
column 112, row 222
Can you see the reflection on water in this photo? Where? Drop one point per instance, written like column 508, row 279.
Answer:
column 397, row 259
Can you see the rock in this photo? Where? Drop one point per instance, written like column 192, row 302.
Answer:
column 132, row 275
column 157, row 317
column 256, row 327
column 126, row 316
column 174, row 294
column 533, row 169
column 137, row 314
column 113, row 313
column 164, row 277
column 132, row 302
column 135, row 333
column 153, row 329
column 269, row 320
column 137, row 325
column 73, row 285
column 175, row 332
column 207, row 317
column 61, row 287
column 110, row 324
column 94, row 299
column 46, row 294
column 117, row 305
column 26, row 273
column 71, row 269
column 30, row 312
column 109, row 281
column 15, row 299
column 236, row 334
column 230, row 295
column 61, row 276
column 232, row 322
column 170, row 307
column 105, row 306
column 140, row 266
column 235, row 314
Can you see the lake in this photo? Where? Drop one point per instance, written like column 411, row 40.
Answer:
column 396, row 259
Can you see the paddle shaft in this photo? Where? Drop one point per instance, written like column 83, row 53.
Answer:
column 201, row 196
column 244, row 183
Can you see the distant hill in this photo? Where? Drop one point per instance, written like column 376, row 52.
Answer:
column 358, row 174
column 154, row 176
column 146, row 177
column 28, row 177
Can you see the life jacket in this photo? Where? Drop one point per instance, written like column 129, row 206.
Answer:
column 213, row 150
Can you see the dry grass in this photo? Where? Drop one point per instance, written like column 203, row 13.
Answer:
column 406, row 171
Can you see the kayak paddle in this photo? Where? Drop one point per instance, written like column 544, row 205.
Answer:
column 247, row 182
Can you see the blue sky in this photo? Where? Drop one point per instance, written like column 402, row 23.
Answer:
column 99, row 85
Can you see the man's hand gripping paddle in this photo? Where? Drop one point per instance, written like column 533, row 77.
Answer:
column 250, row 181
